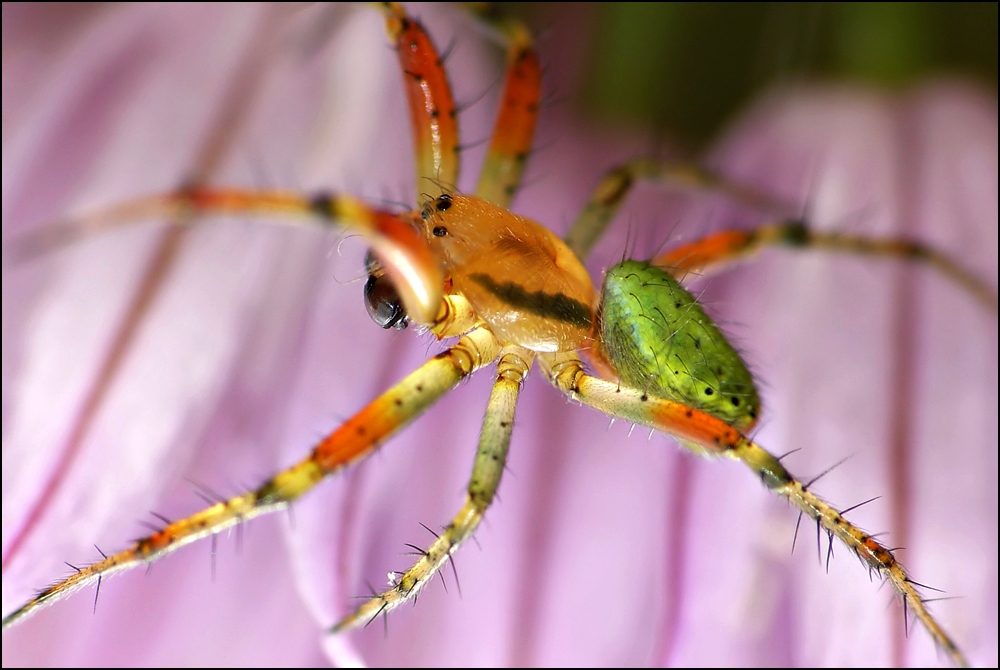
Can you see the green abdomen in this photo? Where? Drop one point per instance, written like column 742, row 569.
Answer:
column 661, row 341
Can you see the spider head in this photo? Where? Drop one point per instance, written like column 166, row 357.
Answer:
column 452, row 228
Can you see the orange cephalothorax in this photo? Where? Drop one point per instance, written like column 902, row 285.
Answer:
column 520, row 278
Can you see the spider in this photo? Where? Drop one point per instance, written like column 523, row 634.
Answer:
column 564, row 573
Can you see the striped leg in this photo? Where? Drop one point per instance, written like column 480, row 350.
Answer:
column 518, row 114
column 707, row 435
column 397, row 243
column 491, row 456
column 433, row 116
column 611, row 191
column 719, row 250
column 432, row 106
column 356, row 439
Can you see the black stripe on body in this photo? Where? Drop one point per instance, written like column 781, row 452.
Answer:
column 557, row 306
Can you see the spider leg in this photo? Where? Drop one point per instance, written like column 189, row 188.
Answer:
column 491, row 455
column 433, row 116
column 707, row 435
column 719, row 250
column 396, row 242
column 518, row 114
column 356, row 439
column 432, row 106
column 611, row 191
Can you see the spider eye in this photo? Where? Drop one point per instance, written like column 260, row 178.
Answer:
column 442, row 203
column 383, row 303
column 381, row 299
column 440, row 231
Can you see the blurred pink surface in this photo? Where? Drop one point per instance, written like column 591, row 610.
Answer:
column 604, row 549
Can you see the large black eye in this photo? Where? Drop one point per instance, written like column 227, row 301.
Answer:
column 442, row 203
column 383, row 303
column 381, row 300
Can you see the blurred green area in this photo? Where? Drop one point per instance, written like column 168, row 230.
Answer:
column 686, row 68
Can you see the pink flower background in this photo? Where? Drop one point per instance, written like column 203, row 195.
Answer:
column 603, row 549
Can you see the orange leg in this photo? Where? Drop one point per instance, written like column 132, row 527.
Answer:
column 611, row 191
column 356, row 439
column 396, row 242
column 709, row 436
column 517, row 117
column 433, row 114
column 719, row 250
column 432, row 108
column 491, row 457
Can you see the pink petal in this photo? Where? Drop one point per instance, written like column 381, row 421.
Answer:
column 216, row 353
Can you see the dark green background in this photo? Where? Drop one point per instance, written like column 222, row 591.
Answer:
column 686, row 68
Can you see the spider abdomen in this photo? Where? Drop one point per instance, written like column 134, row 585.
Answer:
column 660, row 340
